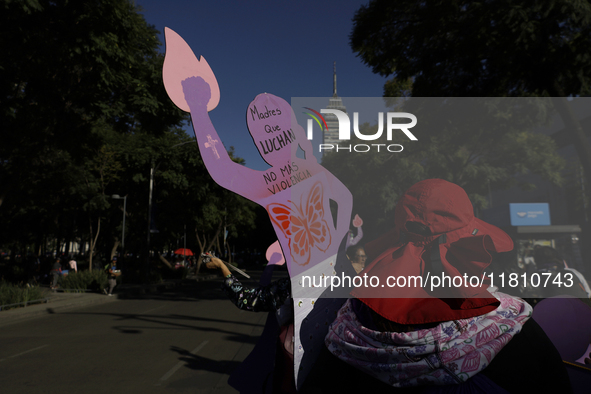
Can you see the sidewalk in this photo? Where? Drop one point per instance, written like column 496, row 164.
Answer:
column 58, row 300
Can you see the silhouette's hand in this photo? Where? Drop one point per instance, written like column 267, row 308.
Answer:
column 197, row 92
column 357, row 222
column 214, row 263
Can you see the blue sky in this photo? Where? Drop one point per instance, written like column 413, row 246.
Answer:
column 282, row 47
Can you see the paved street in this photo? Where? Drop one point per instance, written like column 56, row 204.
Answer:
column 183, row 340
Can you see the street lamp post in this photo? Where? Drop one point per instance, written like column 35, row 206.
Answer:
column 124, row 198
column 153, row 169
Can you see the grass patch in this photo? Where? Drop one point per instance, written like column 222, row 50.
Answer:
column 15, row 294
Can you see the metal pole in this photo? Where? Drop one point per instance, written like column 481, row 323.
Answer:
column 123, row 231
column 149, row 221
column 185, row 245
column 117, row 197
column 152, row 169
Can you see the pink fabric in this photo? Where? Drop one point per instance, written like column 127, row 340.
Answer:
column 449, row 353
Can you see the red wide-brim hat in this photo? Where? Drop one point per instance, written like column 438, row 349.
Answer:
column 454, row 244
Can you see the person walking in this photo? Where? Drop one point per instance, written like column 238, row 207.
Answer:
column 56, row 271
column 112, row 273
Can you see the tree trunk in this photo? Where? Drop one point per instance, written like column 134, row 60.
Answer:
column 114, row 249
column 44, row 246
column 227, row 246
column 93, row 243
column 205, row 249
column 217, row 242
column 165, row 261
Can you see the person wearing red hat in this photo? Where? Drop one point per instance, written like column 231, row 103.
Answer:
column 433, row 217
column 453, row 339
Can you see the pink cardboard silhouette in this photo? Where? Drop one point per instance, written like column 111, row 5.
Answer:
column 354, row 239
column 295, row 191
column 357, row 222
column 274, row 254
column 183, row 65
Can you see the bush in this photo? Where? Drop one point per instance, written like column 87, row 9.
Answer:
column 84, row 280
column 14, row 294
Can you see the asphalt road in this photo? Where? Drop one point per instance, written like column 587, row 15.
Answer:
column 186, row 340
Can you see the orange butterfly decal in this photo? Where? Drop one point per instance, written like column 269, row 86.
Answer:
column 303, row 226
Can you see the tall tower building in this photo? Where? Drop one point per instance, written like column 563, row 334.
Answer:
column 331, row 136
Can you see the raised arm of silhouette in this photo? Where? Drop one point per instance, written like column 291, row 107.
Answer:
column 295, row 191
column 220, row 166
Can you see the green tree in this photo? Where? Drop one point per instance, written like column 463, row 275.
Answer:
column 102, row 170
column 70, row 71
column 85, row 115
column 477, row 143
column 183, row 193
column 493, row 49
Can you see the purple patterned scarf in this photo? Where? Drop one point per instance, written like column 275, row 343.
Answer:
column 449, row 353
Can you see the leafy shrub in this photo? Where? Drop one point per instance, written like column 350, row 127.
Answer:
column 84, row 280
column 14, row 294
